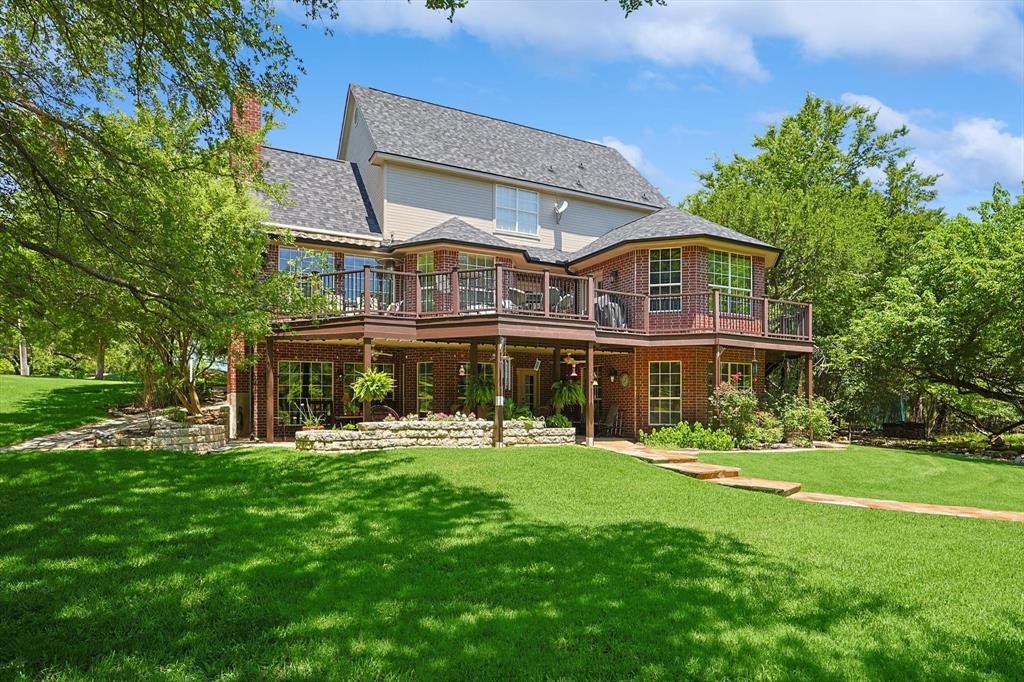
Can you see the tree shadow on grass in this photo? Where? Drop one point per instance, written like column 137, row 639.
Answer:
column 60, row 409
column 264, row 565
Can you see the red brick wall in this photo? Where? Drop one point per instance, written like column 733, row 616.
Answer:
column 695, row 362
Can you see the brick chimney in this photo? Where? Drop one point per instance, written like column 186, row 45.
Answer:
column 246, row 114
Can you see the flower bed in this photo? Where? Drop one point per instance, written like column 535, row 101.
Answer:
column 435, row 433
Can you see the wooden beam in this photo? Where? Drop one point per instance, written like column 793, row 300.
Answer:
column 809, row 357
column 271, row 394
column 809, row 378
column 590, row 393
column 716, row 371
column 473, row 364
column 367, row 366
column 499, row 392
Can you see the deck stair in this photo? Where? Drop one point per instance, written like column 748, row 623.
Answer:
column 701, row 471
column 761, row 485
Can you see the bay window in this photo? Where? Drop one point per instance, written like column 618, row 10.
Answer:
column 665, row 279
column 732, row 275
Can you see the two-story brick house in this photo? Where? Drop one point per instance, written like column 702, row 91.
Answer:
column 448, row 243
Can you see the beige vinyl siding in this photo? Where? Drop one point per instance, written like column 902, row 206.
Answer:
column 359, row 149
column 417, row 200
column 582, row 223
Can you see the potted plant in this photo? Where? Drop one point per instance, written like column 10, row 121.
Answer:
column 311, row 420
column 566, row 392
column 480, row 394
column 372, row 386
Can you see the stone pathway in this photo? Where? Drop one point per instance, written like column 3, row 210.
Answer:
column 914, row 507
column 83, row 436
column 685, row 462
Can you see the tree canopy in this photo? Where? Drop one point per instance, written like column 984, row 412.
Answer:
column 838, row 195
column 951, row 322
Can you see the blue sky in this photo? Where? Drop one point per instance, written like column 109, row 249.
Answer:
column 674, row 86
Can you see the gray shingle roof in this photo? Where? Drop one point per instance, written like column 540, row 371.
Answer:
column 665, row 224
column 430, row 132
column 458, row 231
column 324, row 194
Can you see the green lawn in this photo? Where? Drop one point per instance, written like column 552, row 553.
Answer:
column 480, row 564
column 889, row 474
column 36, row 406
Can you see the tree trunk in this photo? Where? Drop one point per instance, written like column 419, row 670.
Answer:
column 101, row 358
column 148, row 382
column 23, row 367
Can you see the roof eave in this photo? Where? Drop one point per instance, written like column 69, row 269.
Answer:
column 641, row 240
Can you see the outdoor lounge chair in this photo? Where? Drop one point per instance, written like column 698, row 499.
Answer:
column 611, row 425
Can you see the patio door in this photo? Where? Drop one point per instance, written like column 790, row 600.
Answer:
column 528, row 388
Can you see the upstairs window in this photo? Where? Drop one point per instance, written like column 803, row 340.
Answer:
column 731, row 274
column 665, row 279
column 516, row 210
column 471, row 261
column 304, row 261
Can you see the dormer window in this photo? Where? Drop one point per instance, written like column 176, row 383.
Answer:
column 516, row 210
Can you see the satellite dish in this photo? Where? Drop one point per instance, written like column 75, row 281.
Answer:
column 560, row 209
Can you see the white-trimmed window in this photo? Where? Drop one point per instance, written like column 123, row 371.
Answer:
column 665, row 279
column 424, row 386
column 476, row 289
column 470, row 261
column 303, row 388
column 304, row 261
column 516, row 210
column 739, row 374
column 732, row 274
column 665, row 393
column 428, row 285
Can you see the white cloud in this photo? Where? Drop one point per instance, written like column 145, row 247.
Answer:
column 971, row 155
column 979, row 35
column 631, row 152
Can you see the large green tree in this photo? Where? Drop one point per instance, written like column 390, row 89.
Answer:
column 838, row 195
column 951, row 324
column 197, row 225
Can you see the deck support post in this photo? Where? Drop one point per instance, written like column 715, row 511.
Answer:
column 271, row 393
column 499, row 392
column 716, row 368
column 472, row 368
column 809, row 386
column 367, row 366
column 590, row 394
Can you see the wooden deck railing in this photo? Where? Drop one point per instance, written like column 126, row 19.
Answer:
column 532, row 294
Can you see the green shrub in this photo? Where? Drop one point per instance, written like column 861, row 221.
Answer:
column 175, row 414
column 683, row 435
column 559, row 421
column 767, row 430
column 517, row 411
column 798, row 420
column 735, row 409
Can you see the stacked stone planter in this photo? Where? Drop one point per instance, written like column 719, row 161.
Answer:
column 191, row 438
column 434, row 434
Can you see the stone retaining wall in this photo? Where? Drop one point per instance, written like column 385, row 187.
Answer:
column 435, row 434
column 193, row 438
